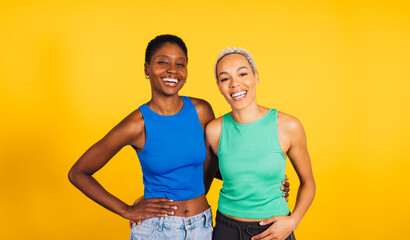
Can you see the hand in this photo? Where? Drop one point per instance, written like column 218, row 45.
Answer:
column 139, row 222
column 285, row 188
column 281, row 228
column 147, row 208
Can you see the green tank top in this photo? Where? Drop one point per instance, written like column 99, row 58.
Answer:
column 252, row 166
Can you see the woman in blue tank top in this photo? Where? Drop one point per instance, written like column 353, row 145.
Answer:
column 168, row 135
column 252, row 143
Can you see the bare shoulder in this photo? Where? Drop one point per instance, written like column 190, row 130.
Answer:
column 131, row 125
column 291, row 130
column 201, row 105
column 214, row 127
column 289, row 123
column 204, row 110
column 213, row 133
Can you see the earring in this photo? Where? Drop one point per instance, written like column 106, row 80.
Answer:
column 146, row 76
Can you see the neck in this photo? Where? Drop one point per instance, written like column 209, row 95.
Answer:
column 248, row 114
column 166, row 105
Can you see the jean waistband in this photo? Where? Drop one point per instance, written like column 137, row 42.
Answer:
column 204, row 218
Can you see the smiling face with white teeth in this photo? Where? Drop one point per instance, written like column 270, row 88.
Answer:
column 167, row 69
column 236, row 81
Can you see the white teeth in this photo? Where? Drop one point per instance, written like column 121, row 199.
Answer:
column 238, row 94
column 173, row 80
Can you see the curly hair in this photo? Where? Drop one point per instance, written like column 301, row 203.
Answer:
column 159, row 41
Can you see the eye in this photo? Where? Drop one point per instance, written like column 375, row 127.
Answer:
column 162, row 62
column 243, row 74
column 181, row 65
column 224, row 79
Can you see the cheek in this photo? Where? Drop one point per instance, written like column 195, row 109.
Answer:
column 183, row 73
column 221, row 88
column 250, row 82
column 224, row 90
column 156, row 70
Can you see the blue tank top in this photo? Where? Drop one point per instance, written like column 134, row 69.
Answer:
column 173, row 155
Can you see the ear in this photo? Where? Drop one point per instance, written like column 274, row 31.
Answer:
column 257, row 78
column 146, row 66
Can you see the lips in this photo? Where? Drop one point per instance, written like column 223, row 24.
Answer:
column 170, row 81
column 239, row 95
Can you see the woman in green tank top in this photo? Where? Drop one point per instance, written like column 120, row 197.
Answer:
column 252, row 143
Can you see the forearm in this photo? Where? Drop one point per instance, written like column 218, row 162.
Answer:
column 92, row 189
column 304, row 199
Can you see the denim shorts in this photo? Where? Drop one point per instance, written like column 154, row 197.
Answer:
column 198, row 227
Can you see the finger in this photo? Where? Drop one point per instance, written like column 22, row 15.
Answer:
column 139, row 222
column 157, row 200
column 162, row 206
column 133, row 223
column 286, row 184
column 167, row 212
column 267, row 221
column 263, row 235
column 286, row 177
column 285, row 189
column 287, row 200
column 154, row 214
column 159, row 215
column 167, row 206
column 160, row 211
column 285, row 195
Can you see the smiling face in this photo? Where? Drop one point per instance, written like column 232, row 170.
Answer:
column 167, row 69
column 236, row 81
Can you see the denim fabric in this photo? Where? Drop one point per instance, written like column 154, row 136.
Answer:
column 198, row 227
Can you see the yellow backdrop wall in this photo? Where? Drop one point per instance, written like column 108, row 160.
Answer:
column 71, row 70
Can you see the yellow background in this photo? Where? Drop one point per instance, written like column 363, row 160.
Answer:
column 71, row 70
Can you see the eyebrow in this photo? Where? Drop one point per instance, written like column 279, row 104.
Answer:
column 168, row 57
column 236, row 70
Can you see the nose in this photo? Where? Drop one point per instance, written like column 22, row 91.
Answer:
column 172, row 68
column 234, row 82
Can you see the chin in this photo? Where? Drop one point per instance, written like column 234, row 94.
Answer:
column 239, row 106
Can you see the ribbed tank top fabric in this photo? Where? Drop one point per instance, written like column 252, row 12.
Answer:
column 252, row 166
column 173, row 155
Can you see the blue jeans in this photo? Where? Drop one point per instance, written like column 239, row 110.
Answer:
column 198, row 227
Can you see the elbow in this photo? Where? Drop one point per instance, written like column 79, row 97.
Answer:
column 309, row 183
column 72, row 176
column 77, row 175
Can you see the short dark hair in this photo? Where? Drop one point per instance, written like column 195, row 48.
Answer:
column 159, row 41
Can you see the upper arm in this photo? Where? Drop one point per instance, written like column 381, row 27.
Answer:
column 213, row 134
column 211, row 162
column 127, row 132
column 298, row 153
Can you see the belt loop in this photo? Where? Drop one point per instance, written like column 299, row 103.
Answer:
column 207, row 217
column 160, row 223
